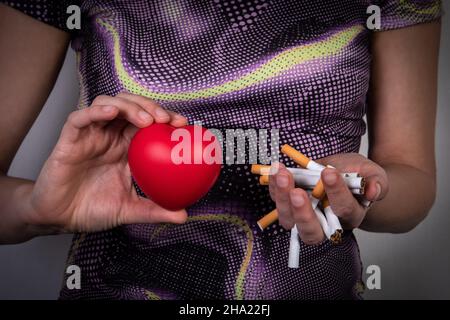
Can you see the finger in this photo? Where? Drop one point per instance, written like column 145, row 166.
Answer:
column 128, row 110
column 376, row 180
column 305, row 218
column 272, row 182
column 344, row 161
column 143, row 210
column 158, row 113
column 284, row 182
column 177, row 120
column 374, row 175
column 85, row 117
column 77, row 120
column 342, row 201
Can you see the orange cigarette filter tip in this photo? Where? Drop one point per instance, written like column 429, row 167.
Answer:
column 264, row 180
column 319, row 190
column 268, row 219
column 298, row 157
column 325, row 202
column 256, row 168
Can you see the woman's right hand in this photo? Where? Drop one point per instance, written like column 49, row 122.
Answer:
column 85, row 185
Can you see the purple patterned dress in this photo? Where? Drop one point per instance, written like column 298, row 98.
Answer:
column 299, row 66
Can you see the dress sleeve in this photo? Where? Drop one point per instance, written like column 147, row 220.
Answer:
column 52, row 12
column 404, row 13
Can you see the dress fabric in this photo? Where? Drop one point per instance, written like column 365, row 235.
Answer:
column 301, row 67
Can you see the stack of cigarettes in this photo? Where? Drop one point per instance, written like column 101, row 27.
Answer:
column 308, row 178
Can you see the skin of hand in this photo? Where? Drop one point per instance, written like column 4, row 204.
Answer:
column 85, row 185
column 294, row 205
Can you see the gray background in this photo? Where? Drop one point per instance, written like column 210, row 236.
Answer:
column 413, row 266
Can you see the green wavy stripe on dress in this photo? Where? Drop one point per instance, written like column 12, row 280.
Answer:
column 237, row 221
column 410, row 6
column 282, row 62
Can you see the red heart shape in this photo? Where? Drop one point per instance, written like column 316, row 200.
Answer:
column 173, row 185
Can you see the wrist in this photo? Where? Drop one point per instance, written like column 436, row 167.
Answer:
column 32, row 221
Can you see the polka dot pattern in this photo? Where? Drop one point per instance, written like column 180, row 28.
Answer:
column 299, row 67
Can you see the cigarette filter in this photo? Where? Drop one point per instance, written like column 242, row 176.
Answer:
column 264, row 180
column 268, row 219
column 257, row 168
column 317, row 194
column 319, row 190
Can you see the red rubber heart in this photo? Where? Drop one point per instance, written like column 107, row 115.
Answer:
column 170, row 185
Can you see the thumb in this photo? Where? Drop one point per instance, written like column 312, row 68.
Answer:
column 142, row 210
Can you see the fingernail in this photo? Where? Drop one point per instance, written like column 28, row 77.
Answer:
column 297, row 200
column 144, row 116
column 107, row 108
column 330, row 178
column 160, row 113
column 378, row 194
column 282, row 181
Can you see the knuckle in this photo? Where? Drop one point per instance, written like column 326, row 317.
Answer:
column 345, row 211
column 286, row 224
column 282, row 198
column 283, row 210
column 312, row 240
column 73, row 115
column 99, row 99
column 303, row 218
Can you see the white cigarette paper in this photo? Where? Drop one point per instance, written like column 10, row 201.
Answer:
column 312, row 165
column 314, row 202
column 274, row 169
column 366, row 203
column 294, row 249
column 333, row 221
column 308, row 182
column 323, row 222
column 307, row 178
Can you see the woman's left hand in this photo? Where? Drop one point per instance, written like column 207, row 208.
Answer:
column 294, row 206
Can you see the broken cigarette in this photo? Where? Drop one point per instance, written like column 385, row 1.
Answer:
column 268, row 219
column 318, row 194
column 294, row 249
column 366, row 203
column 266, row 170
column 264, row 180
column 308, row 183
column 257, row 168
column 300, row 159
column 323, row 223
column 334, row 224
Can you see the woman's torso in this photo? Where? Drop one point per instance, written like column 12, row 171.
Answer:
column 301, row 67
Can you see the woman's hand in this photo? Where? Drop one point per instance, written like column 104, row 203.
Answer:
column 294, row 206
column 85, row 185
